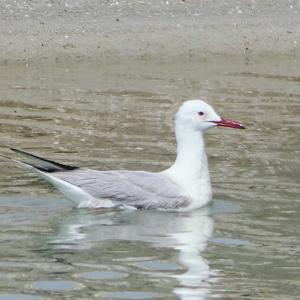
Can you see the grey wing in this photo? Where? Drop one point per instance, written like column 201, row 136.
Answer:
column 134, row 188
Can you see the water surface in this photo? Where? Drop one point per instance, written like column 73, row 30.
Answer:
column 245, row 246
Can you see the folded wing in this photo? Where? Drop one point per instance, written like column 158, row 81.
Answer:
column 140, row 189
column 134, row 188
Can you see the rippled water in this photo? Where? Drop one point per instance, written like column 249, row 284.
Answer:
column 245, row 246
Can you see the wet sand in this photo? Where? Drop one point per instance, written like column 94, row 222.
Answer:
column 165, row 30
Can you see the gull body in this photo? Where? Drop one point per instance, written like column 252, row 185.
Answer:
column 185, row 185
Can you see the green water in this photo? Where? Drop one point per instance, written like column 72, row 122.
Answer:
column 113, row 116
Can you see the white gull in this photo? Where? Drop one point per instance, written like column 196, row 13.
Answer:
column 185, row 185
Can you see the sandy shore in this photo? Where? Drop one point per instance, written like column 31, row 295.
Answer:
column 111, row 29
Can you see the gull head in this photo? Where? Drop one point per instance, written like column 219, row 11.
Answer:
column 200, row 116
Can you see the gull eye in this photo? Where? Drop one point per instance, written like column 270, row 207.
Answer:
column 200, row 113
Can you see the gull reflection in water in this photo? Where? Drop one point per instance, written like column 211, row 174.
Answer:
column 191, row 241
column 185, row 232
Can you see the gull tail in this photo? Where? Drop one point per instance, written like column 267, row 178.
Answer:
column 46, row 169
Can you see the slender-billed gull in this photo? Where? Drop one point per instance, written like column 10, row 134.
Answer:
column 185, row 185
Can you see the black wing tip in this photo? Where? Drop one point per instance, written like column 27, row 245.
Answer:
column 15, row 149
column 57, row 167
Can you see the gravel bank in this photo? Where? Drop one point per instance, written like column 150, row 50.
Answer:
column 51, row 30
